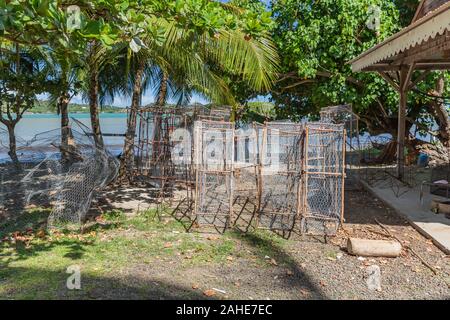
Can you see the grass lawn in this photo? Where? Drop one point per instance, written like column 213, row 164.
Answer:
column 33, row 263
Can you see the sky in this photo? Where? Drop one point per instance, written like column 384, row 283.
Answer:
column 121, row 101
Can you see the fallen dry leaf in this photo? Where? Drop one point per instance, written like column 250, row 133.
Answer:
column 305, row 292
column 21, row 238
column 323, row 283
column 168, row 245
column 41, row 233
column 209, row 292
column 230, row 258
column 289, row 273
column 195, row 286
column 273, row 261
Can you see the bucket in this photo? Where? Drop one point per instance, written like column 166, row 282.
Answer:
column 422, row 159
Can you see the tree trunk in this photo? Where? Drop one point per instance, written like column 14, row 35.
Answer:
column 163, row 91
column 13, row 145
column 157, row 135
column 126, row 164
column 66, row 132
column 93, row 107
column 441, row 115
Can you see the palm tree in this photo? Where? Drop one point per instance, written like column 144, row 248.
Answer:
column 65, row 72
column 95, row 58
column 104, row 78
column 190, row 63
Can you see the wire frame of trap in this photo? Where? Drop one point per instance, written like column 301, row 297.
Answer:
column 322, row 203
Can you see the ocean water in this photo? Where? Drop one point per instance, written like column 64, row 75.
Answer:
column 35, row 124
column 111, row 123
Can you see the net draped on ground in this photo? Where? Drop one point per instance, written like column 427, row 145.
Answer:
column 62, row 175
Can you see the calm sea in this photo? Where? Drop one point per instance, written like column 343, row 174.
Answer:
column 115, row 123
column 33, row 124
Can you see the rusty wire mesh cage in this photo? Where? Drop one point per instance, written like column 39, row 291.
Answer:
column 280, row 174
column 344, row 114
column 323, row 183
column 214, row 165
column 246, row 177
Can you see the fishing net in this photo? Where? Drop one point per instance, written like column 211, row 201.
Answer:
column 62, row 174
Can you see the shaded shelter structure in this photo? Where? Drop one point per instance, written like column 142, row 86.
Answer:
column 407, row 57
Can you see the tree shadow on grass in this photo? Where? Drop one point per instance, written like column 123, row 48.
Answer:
column 20, row 239
column 267, row 247
column 18, row 251
column 52, row 284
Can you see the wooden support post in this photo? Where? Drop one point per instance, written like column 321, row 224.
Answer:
column 401, row 135
column 405, row 76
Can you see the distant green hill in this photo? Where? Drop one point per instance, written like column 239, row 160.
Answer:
column 45, row 107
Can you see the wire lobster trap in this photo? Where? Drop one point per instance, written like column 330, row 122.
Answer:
column 344, row 114
column 214, row 167
column 280, row 170
column 322, row 200
column 164, row 148
column 280, row 176
column 246, row 177
column 155, row 144
column 65, row 176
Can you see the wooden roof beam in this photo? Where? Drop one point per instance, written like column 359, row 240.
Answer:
column 422, row 76
column 390, row 80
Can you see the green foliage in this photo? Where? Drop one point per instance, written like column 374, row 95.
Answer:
column 258, row 111
column 233, row 39
column 317, row 40
column 22, row 78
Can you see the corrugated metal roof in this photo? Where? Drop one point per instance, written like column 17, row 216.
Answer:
column 434, row 23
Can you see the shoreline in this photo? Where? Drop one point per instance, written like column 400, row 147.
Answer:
column 75, row 112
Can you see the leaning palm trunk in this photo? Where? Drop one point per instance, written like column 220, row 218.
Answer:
column 126, row 164
column 163, row 90
column 93, row 107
